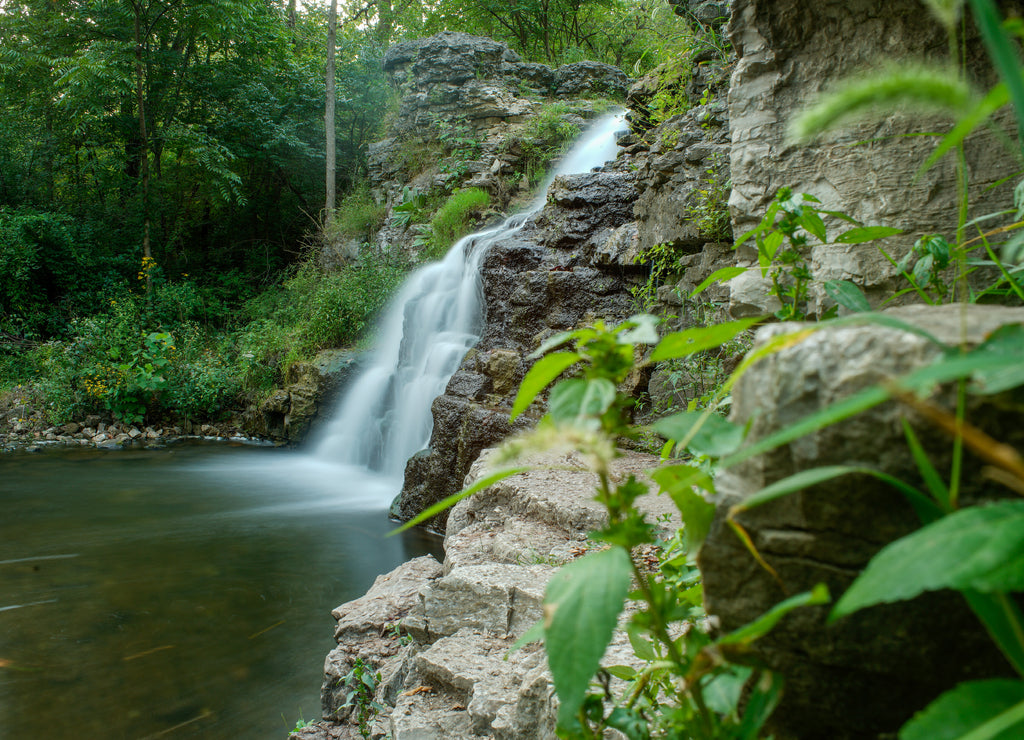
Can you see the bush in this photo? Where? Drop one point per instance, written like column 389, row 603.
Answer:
column 453, row 220
column 357, row 216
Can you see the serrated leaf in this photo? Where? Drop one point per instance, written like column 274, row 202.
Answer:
column 581, row 608
column 848, row 295
column 685, row 343
column 715, row 437
column 722, row 275
column 965, row 708
column 543, row 372
column 861, row 234
column 979, row 548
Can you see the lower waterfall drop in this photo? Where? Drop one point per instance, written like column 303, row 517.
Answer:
column 384, row 417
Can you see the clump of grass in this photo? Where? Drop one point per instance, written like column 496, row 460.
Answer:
column 452, row 221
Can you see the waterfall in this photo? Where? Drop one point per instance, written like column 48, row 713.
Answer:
column 437, row 316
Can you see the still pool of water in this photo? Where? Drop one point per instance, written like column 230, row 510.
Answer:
column 182, row 592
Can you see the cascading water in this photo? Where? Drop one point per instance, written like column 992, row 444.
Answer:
column 384, row 417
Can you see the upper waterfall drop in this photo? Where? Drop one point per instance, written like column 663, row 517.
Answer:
column 437, row 316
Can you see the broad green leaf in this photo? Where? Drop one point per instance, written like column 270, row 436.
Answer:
column 625, row 672
column 767, row 621
column 966, row 708
column 1007, row 342
column 449, row 502
column 861, row 234
column 639, row 329
column 543, row 372
column 581, row 608
column 979, row 548
column 642, row 647
column 813, row 224
column 572, row 400
column 1003, row 620
column 685, row 343
column 848, row 295
column 721, row 275
column 715, row 436
column 722, row 693
column 696, row 511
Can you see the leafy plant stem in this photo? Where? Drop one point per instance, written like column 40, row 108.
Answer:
column 1014, row 286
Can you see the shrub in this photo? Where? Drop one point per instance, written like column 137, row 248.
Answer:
column 453, row 220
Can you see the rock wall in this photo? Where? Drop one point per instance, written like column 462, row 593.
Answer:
column 868, row 673
column 564, row 269
column 788, row 52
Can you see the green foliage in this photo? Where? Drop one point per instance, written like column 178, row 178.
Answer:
column 710, row 210
column 453, row 220
column 782, row 237
column 357, row 216
column 662, row 260
column 461, row 142
column 361, row 685
column 544, row 137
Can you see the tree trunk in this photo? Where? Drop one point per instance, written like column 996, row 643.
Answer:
column 332, row 28
column 147, row 255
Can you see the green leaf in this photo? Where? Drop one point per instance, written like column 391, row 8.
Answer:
column 543, row 372
column 861, row 234
column 760, row 704
column 965, row 708
column 432, row 511
column 848, row 295
column 715, row 436
column 767, row 621
column 555, row 340
column 1003, row 54
column 575, row 399
column 639, row 329
column 1005, row 343
column 979, row 548
column 1004, row 622
column 813, row 224
column 722, row 693
column 696, row 511
column 581, row 608
column 534, row 634
column 685, row 343
column 722, row 275
column 625, row 672
column 936, row 486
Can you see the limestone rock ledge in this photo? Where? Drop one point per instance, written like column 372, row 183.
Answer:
column 440, row 634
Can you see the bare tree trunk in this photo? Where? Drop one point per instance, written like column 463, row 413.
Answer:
column 147, row 255
column 331, row 156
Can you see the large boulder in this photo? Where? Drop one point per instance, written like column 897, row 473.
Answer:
column 868, row 673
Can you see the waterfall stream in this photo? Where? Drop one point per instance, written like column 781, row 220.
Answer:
column 437, row 316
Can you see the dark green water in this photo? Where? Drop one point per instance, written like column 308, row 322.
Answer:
column 179, row 593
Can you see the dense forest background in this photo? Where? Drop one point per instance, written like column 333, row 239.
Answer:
column 162, row 179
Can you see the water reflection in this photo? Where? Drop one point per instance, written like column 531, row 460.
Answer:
column 178, row 593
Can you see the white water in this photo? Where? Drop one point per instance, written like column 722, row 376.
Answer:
column 384, row 417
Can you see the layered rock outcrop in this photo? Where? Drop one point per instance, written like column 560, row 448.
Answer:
column 440, row 635
column 866, row 674
column 791, row 50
